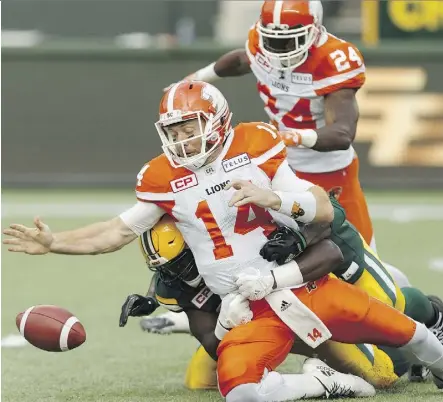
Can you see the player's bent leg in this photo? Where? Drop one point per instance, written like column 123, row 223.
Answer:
column 418, row 306
column 202, row 371
column 378, row 283
column 353, row 316
column 247, row 353
column 369, row 362
column 247, row 350
column 364, row 360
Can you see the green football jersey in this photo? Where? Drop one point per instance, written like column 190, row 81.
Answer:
column 179, row 296
column 345, row 235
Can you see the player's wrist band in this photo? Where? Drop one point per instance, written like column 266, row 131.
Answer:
column 220, row 331
column 288, row 275
column 207, row 73
column 299, row 206
column 308, row 137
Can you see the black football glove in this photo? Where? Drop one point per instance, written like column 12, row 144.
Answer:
column 137, row 306
column 284, row 245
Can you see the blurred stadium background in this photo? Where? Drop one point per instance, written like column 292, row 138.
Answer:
column 81, row 81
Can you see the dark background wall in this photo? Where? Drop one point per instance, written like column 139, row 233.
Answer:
column 106, row 18
column 79, row 118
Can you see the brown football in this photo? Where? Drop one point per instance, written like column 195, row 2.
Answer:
column 51, row 328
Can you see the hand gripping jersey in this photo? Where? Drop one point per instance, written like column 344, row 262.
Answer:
column 223, row 239
column 179, row 296
column 295, row 100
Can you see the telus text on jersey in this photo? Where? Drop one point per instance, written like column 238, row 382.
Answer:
column 236, row 162
column 216, row 188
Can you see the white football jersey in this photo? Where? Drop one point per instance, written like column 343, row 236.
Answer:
column 295, row 99
column 224, row 240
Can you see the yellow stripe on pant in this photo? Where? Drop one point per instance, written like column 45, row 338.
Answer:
column 378, row 367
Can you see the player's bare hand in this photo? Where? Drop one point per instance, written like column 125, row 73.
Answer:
column 34, row 241
column 248, row 193
column 291, row 138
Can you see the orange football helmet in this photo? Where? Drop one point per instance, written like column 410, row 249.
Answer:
column 188, row 100
column 288, row 29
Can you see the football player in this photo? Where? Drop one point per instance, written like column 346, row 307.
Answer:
column 179, row 287
column 380, row 366
column 308, row 79
column 223, row 186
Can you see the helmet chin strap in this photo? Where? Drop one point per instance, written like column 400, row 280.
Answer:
column 201, row 162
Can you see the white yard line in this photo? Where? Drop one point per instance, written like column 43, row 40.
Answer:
column 392, row 212
column 14, row 341
column 436, row 264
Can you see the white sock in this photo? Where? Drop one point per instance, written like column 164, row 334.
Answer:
column 399, row 277
column 278, row 387
column 425, row 349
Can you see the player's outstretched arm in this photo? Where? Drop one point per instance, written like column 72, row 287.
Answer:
column 231, row 64
column 98, row 238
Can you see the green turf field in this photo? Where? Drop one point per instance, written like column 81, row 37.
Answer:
column 125, row 364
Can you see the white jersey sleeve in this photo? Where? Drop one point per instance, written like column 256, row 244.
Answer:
column 142, row 216
column 286, row 180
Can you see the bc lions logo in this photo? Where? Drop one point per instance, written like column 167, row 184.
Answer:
column 335, row 192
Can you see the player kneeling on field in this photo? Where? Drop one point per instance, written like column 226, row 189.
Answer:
column 178, row 287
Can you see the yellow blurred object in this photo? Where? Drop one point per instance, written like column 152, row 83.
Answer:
column 416, row 15
column 370, row 20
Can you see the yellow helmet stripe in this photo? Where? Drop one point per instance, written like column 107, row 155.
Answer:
column 148, row 248
column 166, row 301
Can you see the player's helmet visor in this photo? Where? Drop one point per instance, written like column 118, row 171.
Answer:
column 181, row 268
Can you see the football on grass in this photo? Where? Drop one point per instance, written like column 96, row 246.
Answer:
column 51, row 328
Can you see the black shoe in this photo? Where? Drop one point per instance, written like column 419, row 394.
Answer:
column 417, row 373
column 437, row 328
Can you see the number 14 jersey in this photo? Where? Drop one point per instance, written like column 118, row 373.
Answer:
column 295, row 99
column 224, row 240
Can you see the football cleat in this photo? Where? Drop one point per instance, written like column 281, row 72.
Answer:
column 337, row 384
column 166, row 324
column 418, row 373
column 437, row 328
column 438, row 381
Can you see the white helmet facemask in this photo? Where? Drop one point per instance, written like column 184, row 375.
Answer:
column 176, row 151
column 287, row 47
